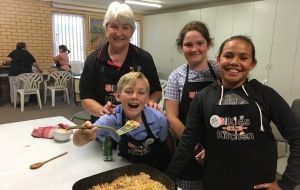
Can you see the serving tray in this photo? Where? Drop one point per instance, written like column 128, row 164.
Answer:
column 132, row 169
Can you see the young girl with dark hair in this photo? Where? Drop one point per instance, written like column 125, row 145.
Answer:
column 62, row 59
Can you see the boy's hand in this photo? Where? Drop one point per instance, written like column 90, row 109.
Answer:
column 89, row 132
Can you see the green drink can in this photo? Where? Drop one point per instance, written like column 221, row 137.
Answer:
column 107, row 149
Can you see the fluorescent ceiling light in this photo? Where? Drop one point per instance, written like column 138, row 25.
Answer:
column 143, row 3
column 77, row 7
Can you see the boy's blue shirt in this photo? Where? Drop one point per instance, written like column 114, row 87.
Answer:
column 157, row 122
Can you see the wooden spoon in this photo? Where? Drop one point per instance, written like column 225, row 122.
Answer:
column 39, row 164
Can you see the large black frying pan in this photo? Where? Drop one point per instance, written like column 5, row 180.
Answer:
column 132, row 169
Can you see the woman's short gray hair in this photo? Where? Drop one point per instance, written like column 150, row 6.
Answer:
column 119, row 11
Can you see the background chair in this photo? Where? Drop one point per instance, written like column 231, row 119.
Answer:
column 163, row 84
column 29, row 84
column 76, row 67
column 57, row 81
column 82, row 116
column 296, row 107
column 282, row 144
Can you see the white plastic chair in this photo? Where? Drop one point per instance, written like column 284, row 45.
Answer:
column 57, row 81
column 282, row 144
column 163, row 84
column 82, row 115
column 30, row 84
column 76, row 67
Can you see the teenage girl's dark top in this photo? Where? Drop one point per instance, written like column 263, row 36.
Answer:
column 192, row 170
column 99, row 77
column 235, row 131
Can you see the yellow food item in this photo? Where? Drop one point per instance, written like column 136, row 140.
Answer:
column 59, row 130
column 141, row 181
column 132, row 124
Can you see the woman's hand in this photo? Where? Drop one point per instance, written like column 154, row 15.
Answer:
column 109, row 108
column 7, row 61
column 269, row 186
column 154, row 105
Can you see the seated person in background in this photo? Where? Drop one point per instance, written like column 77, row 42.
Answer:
column 62, row 59
column 145, row 144
column 21, row 61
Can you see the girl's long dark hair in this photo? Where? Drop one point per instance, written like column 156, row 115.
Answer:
column 64, row 48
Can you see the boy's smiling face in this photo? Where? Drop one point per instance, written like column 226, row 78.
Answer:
column 133, row 98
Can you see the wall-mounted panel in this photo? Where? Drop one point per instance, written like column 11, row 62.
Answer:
column 243, row 19
column 208, row 16
column 262, row 36
column 224, row 23
column 180, row 20
column 159, row 41
column 295, row 89
column 273, row 26
column 284, row 47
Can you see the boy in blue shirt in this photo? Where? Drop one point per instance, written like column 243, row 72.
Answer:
column 145, row 144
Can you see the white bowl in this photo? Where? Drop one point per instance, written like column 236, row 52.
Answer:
column 62, row 135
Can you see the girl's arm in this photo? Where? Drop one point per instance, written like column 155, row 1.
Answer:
column 57, row 58
column 172, row 112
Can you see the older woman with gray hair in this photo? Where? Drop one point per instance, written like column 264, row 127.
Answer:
column 104, row 67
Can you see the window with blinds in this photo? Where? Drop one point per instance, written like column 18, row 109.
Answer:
column 68, row 30
column 135, row 37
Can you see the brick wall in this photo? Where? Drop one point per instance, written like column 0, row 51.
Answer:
column 30, row 21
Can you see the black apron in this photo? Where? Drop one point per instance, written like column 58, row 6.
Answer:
column 148, row 151
column 193, row 170
column 239, row 154
column 191, row 88
column 109, row 78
